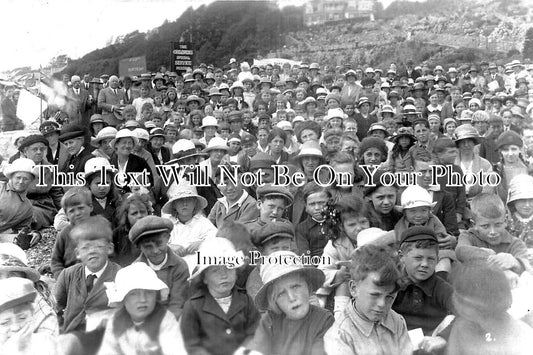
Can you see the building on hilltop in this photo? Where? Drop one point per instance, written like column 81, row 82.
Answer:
column 318, row 12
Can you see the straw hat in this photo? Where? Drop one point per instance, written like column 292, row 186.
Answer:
column 95, row 165
column 141, row 133
column 447, row 121
column 195, row 98
column 335, row 113
column 105, row 133
column 216, row 249
column 377, row 126
column 466, row 131
column 216, row 143
column 271, row 272
column 520, row 188
column 209, row 121
column 137, row 276
column 21, row 165
column 182, row 149
column 310, row 149
column 415, row 196
column 180, row 192
column 16, row 291
column 285, row 125
column 12, row 249
column 124, row 133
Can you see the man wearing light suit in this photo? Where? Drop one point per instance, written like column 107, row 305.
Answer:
column 79, row 102
column 110, row 100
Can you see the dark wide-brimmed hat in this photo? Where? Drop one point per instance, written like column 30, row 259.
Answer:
column 71, row 131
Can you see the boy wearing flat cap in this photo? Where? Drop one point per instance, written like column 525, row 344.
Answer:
column 151, row 234
column 271, row 237
column 272, row 202
column 425, row 299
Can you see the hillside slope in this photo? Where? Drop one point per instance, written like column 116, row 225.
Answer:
column 448, row 31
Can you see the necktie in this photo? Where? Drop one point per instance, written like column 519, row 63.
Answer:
column 115, row 91
column 126, row 95
column 89, row 282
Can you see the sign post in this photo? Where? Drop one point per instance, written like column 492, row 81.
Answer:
column 182, row 57
column 132, row 66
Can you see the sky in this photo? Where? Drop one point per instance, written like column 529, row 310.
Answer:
column 34, row 31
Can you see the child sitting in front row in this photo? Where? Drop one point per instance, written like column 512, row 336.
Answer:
column 291, row 325
column 80, row 291
column 219, row 318
column 133, row 207
column 77, row 203
column 368, row 324
column 481, row 300
column 151, row 234
column 17, row 333
column 142, row 325
column 352, row 213
column 416, row 207
column 191, row 227
column 488, row 240
column 426, row 299
column 236, row 205
column 271, row 237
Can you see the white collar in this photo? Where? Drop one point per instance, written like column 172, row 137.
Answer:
column 158, row 266
column 98, row 274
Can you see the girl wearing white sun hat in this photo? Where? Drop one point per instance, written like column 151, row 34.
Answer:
column 142, row 324
column 291, row 325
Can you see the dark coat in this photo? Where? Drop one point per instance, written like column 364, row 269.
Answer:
column 207, row 329
column 77, row 162
column 108, row 211
column 165, row 153
column 444, row 210
column 61, row 157
column 71, row 294
column 136, row 164
column 425, row 304
column 175, row 275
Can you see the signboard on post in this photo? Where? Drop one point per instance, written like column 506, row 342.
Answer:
column 132, row 66
column 182, row 57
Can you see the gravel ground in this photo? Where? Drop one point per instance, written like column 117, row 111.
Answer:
column 41, row 253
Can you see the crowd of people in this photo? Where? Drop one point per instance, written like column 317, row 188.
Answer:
column 166, row 189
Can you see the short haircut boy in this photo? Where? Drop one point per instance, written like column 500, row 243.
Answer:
column 76, row 196
column 372, row 258
column 488, row 206
column 93, row 228
column 406, row 247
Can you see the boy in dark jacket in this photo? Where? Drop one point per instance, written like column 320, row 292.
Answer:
column 425, row 299
column 80, row 291
column 150, row 234
column 77, row 204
